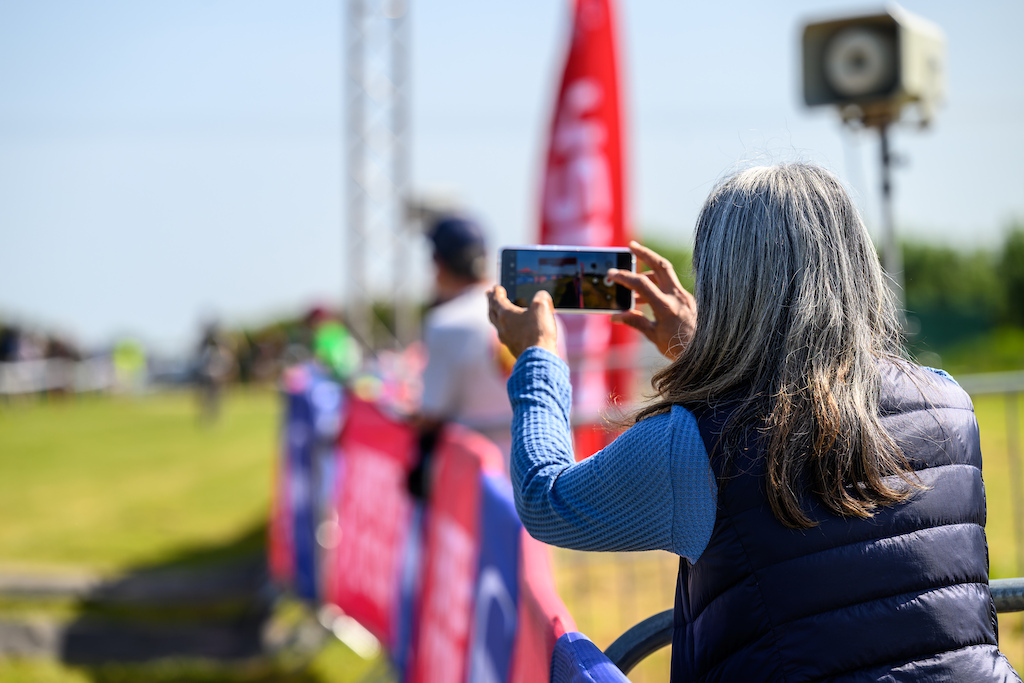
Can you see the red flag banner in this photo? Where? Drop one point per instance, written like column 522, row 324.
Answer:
column 583, row 198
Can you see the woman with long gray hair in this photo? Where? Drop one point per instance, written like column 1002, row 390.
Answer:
column 823, row 492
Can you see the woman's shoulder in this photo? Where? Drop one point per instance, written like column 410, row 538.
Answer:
column 666, row 435
column 670, row 419
column 906, row 384
column 666, row 413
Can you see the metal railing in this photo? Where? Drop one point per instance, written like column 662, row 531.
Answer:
column 655, row 632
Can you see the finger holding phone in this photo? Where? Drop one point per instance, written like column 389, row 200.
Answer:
column 520, row 328
column 674, row 309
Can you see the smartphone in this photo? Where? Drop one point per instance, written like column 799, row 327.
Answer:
column 576, row 277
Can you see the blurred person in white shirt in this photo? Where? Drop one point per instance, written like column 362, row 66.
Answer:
column 467, row 367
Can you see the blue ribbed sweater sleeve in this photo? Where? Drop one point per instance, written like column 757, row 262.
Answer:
column 651, row 489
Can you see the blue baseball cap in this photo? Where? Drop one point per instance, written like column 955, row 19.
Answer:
column 459, row 244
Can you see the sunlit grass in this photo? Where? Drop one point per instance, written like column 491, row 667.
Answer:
column 607, row 593
column 993, row 415
column 1003, row 524
column 102, row 483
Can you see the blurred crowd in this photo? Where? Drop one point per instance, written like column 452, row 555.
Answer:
column 17, row 344
column 37, row 362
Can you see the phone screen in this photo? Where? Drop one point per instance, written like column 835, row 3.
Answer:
column 576, row 277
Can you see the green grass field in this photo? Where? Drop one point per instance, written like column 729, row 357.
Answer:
column 108, row 484
column 105, row 483
column 112, row 484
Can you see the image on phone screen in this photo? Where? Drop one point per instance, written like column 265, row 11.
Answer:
column 576, row 277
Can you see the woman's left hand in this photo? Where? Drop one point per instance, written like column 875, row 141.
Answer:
column 520, row 328
column 674, row 308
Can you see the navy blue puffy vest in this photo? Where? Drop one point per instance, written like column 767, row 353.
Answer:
column 901, row 596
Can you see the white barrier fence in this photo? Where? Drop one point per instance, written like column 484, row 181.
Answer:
column 56, row 374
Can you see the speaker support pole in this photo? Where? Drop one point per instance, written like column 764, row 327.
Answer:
column 892, row 257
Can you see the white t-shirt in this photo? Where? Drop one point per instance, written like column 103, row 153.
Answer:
column 466, row 372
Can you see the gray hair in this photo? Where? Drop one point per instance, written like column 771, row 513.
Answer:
column 793, row 315
column 784, row 265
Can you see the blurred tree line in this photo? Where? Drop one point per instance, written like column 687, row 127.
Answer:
column 965, row 307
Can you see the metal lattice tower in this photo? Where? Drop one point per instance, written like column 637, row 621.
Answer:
column 377, row 162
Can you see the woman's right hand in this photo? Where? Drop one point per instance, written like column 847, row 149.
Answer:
column 674, row 308
column 520, row 328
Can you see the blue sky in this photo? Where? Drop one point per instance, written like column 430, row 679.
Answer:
column 163, row 161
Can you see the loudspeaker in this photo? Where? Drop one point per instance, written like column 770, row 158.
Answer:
column 871, row 66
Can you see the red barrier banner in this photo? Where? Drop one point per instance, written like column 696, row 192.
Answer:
column 280, row 548
column 451, row 556
column 374, row 511
column 584, row 199
column 484, row 582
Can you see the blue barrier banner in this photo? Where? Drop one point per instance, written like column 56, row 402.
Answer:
column 299, row 442
column 407, row 606
column 307, row 473
column 496, row 611
column 577, row 660
column 327, row 404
